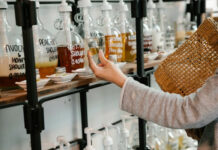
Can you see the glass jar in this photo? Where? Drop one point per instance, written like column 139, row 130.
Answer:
column 45, row 49
column 114, row 46
column 169, row 38
column 191, row 27
column 69, row 44
column 147, row 36
column 180, row 33
column 12, row 61
column 157, row 38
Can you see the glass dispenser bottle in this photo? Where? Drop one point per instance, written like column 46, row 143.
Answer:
column 12, row 64
column 169, row 38
column 127, row 33
column 191, row 27
column 157, row 43
column 91, row 34
column 45, row 48
column 69, row 43
column 113, row 40
column 147, row 33
column 160, row 23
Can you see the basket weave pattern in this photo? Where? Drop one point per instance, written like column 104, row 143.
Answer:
column 187, row 69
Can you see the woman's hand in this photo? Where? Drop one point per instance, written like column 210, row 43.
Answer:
column 107, row 70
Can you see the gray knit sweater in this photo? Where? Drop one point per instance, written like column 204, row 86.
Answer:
column 172, row 110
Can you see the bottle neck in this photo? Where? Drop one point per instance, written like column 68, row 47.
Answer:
column 39, row 22
column 159, row 18
column 150, row 17
column 107, row 22
column 66, row 27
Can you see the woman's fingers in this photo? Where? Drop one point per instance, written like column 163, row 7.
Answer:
column 102, row 58
column 92, row 64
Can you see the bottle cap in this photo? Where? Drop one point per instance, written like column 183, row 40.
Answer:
column 84, row 3
column 106, row 6
column 122, row 6
column 160, row 4
column 3, row 4
column 37, row 4
column 64, row 7
column 151, row 4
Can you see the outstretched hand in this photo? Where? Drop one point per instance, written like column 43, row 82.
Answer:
column 107, row 70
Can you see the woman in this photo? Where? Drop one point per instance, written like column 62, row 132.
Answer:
column 170, row 110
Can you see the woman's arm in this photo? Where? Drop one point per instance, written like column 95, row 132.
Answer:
column 171, row 110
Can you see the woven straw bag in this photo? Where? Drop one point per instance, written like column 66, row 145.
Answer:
column 187, row 69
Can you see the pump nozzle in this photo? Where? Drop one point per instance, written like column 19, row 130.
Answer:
column 106, row 6
column 160, row 4
column 151, row 4
column 108, row 140
column 124, row 118
column 88, row 132
column 37, row 4
column 62, row 141
column 122, row 6
column 64, row 7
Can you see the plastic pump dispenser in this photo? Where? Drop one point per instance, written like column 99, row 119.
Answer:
column 12, row 62
column 124, row 144
column 113, row 41
column 128, row 34
column 123, row 9
column 85, row 5
column 157, row 37
column 45, row 48
column 89, row 42
column 62, row 141
column 160, row 7
column 108, row 140
column 106, row 8
column 151, row 6
column 88, row 132
column 70, row 44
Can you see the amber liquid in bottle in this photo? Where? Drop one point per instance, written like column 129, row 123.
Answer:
column 8, row 82
column 113, row 48
column 94, row 51
column 130, row 47
column 71, row 59
column 44, row 71
column 12, row 69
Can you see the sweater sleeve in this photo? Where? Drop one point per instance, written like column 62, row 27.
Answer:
column 172, row 110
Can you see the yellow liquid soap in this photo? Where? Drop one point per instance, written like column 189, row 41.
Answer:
column 130, row 47
column 46, row 68
column 94, row 53
column 114, row 48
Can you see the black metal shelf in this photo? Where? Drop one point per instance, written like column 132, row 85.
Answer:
column 33, row 106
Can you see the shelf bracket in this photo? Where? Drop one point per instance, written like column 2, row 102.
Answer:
column 33, row 118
